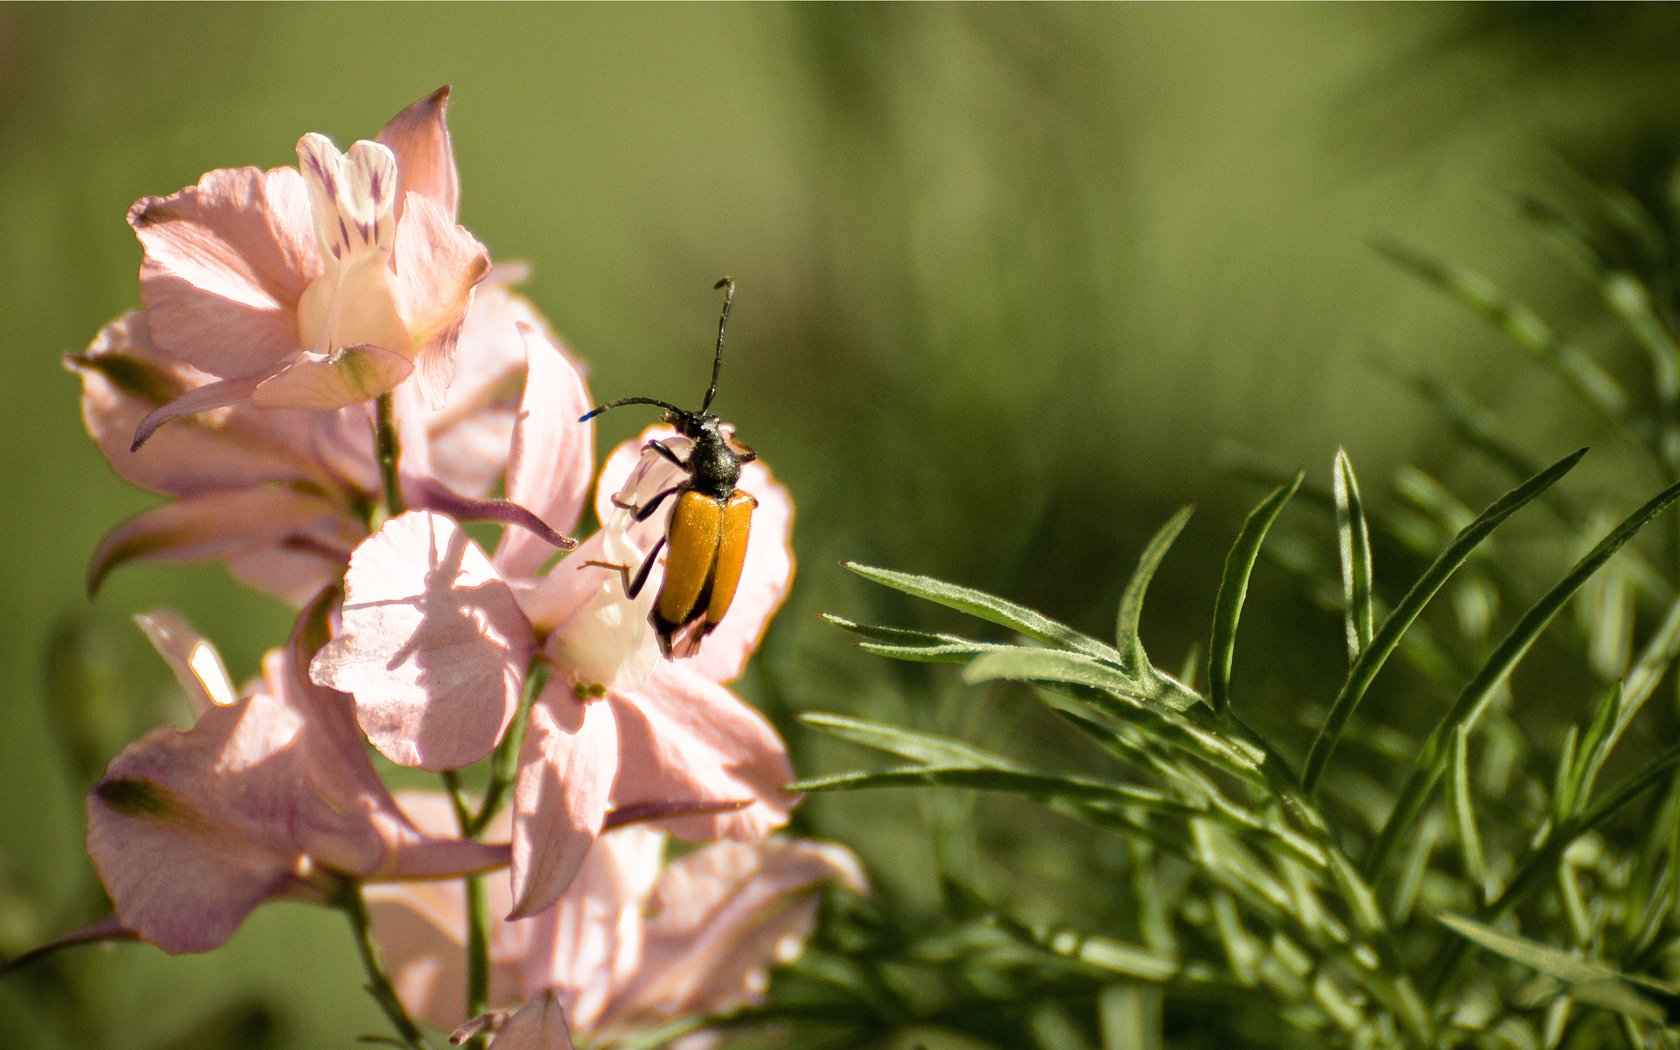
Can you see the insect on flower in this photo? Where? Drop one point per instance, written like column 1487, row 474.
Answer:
column 706, row 532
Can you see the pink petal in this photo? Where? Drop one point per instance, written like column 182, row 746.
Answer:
column 195, row 663
column 566, row 770
column 124, row 377
column 720, row 916
column 539, row 1025
column 425, row 162
column 433, row 645
column 219, row 394
column 226, row 263
column 437, row 265
column 228, row 525
column 189, row 831
column 590, row 942
column 347, row 376
column 553, row 454
column 468, row 437
column 684, row 737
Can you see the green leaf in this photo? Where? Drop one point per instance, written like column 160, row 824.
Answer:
column 1040, row 786
column 1479, row 691
column 1387, row 637
column 917, row 646
column 1131, row 599
column 1524, row 327
column 1022, row 663
column 926, row 748
column 1233, row 589
column 1464, row 813
column 1587, row 981
column 1353, row 541
column 986, row 607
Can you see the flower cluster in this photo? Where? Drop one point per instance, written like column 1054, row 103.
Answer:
column 326, row 380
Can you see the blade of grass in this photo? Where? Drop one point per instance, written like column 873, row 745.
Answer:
column 1233, row 589
column 1393, row 628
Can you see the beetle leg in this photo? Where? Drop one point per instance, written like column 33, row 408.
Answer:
column 659, row 447
column 632, row 585
column 645, row 512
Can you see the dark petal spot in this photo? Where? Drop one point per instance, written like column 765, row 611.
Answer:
column 137, row 798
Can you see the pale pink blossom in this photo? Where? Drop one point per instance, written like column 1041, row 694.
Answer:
column 269, row 795
column 633, row 943
column 436, row 640
column 284, row 495
column 318, row 286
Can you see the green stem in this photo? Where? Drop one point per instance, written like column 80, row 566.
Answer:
column 349, row 900
column 478, row 913
column 387, row 449
column 504, row 762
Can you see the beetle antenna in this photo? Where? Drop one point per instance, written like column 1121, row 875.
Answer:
column 728, row 285
column 598, row 409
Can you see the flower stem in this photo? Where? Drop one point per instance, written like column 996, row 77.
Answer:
column 349, row 900
column 478, row 913
column 387, row 450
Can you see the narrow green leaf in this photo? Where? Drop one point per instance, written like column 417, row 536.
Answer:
column 917, row 646
column 1522, row 325
column 1353, row 542
column 1594, row 746
column 1387, row 637
column 1464, row 812
column 1587, row 981
column 987, row 607
column 1022, row 663
column 926, row 748
column 1043, row 787
column 1233, row 589
column 1131, row 599
column 1478, row 692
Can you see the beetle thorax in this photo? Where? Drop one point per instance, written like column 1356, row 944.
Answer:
column 713, row 466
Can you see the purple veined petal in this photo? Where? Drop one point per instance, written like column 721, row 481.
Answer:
column 538, row 1025
column 419, row 137
column 682, row 736
column 433, row 646
column 553, row 454
column 348, row 375
column 194, row 661
column 567, row 766
column 720, row 916
column 226, row 264
column 220, row 525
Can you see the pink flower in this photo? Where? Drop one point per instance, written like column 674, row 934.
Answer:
column 283, row 495
column 269, row 795
column 437, row 637
column 633, row 942
column 318, row 286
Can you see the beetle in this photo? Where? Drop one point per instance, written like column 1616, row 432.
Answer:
column 709, row 523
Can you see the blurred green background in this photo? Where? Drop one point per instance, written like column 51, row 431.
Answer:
column 1009, row 280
